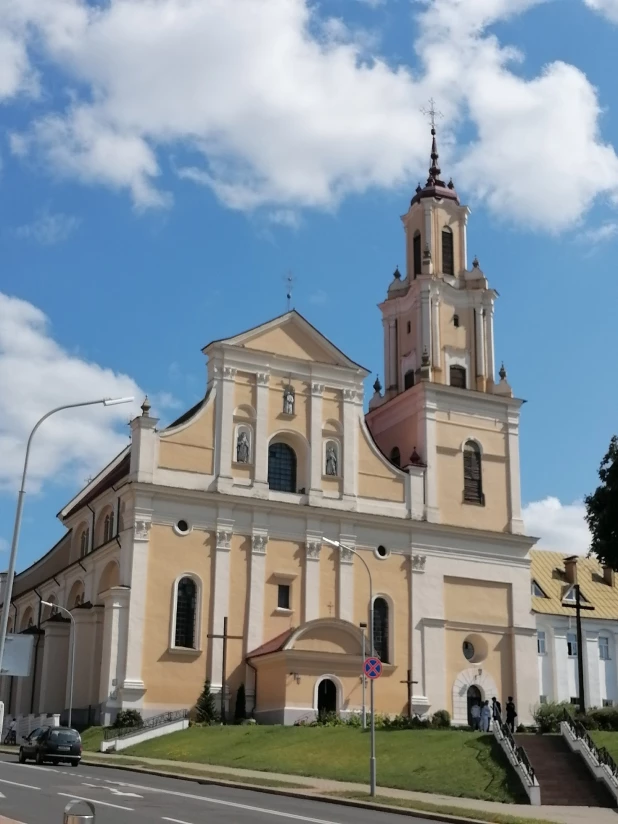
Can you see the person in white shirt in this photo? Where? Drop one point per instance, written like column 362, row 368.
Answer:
column 475, row 713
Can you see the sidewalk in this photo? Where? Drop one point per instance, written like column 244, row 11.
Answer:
column 320, row 786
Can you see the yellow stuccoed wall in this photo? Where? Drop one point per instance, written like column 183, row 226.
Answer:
column 174, row 678
column 332, row 405
column 300, row 422
column 284, row 565
column 244, row 392
column 289, row 340
column 450, row 435
column 329, row 564
column 376, row 479
column 240, row 560
column 191, row 449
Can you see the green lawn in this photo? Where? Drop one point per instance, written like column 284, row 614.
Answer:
column 91, row 738
column 455, row 763
column 609, row 740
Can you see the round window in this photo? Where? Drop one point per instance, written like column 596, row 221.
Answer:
column 182, row 527
column 468, row 650
column 382, row 551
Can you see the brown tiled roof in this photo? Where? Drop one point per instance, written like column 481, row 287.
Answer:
column 274, row 645
column 548, row 571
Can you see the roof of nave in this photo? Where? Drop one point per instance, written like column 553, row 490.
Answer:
column 294, row 322
column 548, row 570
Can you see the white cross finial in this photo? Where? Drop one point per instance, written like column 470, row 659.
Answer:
column 432, row 112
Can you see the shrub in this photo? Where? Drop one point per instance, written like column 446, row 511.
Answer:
column 441, row 719
column 601, row 719
column 205, row 712
column 548, row 716
column 128, row 718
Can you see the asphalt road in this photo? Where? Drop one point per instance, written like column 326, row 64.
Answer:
column 38, row 795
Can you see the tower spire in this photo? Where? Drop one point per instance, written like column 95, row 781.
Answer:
column 435, row 186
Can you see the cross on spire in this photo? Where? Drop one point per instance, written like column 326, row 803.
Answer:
column 289, row 281
column 432, row 112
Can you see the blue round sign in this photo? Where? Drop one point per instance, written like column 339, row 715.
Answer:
column 373, row 667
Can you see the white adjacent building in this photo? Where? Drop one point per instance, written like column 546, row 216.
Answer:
column 553, row 601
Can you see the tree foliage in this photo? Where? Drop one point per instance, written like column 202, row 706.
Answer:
column 205, row 709
column 602, row 509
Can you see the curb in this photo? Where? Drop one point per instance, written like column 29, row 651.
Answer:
column 344, row 802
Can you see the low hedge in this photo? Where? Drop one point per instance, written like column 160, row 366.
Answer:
column 548, row 717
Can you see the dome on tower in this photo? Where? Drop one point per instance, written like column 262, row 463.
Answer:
column 435, row 186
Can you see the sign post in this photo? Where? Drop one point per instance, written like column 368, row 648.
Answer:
column 372, row 669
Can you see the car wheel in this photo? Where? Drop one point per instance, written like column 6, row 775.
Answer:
column 22, row 756
column 39, row 758
column 74, row 763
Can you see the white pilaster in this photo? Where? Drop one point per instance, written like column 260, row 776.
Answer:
column 430, row 450
column 143, row 459
column 135, row 550
column 313, row 546
column 387, row 353
column 429, row 231
column 516, row 523
column 525, row 676
column 221, row 597
column 464, row 242
column 480, row 342
column 435, row 331
column 225, row 420
column 54, row 668
column 255, row 632
column 592, row 668
column 392, row 354
column 346, row 578
column 261, row 430
column 419, row 696
column 425, row 323
column 352, row 400
column 316, row 438
column 115, row 619
column 489, row 329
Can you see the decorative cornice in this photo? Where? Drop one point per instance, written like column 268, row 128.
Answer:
column 262, row 378
column 259, row 542
column 317, row 389
column 418, row 563
column 346, row 555
column 229, row 373
column 224, row 538
column 352, row 395
column 313, row 547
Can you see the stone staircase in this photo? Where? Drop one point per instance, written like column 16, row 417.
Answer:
column 564, row 778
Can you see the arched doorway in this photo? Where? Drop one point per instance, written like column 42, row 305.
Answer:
column 327, row 697
column 474, row 697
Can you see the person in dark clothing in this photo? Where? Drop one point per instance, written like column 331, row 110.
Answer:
column 511, row 714
column 496, row 709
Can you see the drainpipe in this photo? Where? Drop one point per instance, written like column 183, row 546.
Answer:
column 36, row 654
column 92, row 530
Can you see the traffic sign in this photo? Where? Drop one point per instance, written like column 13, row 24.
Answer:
column 372, row 667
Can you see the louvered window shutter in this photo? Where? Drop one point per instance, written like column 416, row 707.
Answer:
column 473, row 487
column 448, row 266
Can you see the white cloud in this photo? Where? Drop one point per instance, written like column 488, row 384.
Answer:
column 48, row 228
column 608, row 8
column 599, row 234
column 560, row 527
column 36, row 375
column 283, row 109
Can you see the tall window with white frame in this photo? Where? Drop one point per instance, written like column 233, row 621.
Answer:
column 381, row 629
column 108, row 527
column 572, row 644
column 604, row 648
column 186, row 613
column 84, row 542
column 541, row 646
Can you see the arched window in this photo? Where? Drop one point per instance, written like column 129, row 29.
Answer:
column 281, row 467
column 408, row 379
column 84, row 543
column 473, row 478
column 108, row 527
column 186, row 612
column 448, row 265
column 380, row 629
column 396, row 456
column 458, row 376
column 416, row 248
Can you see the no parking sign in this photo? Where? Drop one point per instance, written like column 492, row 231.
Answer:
column 372, row 668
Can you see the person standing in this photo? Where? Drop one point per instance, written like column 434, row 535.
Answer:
column 496, row 709
column 475, row 715
column 511, row 714
column 485, row 717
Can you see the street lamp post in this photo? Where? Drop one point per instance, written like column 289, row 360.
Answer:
column 372, row 726
column 72, row 619
column 20, row 504
column 363, row 626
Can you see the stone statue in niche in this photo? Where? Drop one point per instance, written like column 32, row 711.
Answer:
column 331, row 460
column 288, row 400
column 242, row 448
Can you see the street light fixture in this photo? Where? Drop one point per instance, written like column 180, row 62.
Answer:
column 372, row 727
column 70, row 614
column 8, row 592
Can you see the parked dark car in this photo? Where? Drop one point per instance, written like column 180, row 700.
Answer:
column 52, row 744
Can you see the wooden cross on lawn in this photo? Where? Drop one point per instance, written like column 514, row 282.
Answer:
column 225, row 638
column 409, row 682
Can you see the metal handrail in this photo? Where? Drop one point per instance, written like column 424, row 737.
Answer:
column 149, row 724
column 600, row 753
column 519, row 753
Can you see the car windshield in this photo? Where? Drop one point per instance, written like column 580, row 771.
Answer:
column 64, row 736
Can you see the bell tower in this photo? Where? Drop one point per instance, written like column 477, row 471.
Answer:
column 439, row 368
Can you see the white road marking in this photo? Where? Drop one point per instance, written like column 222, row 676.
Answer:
column 235, row 804
column 28, row 766
column 176, row 820
column 112, row 790
column 2, row 795
column 15, row 784
column 92, row 801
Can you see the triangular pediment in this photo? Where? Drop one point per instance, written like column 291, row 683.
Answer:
column 291, row 336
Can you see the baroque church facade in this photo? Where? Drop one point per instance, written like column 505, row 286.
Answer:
column 223, row 515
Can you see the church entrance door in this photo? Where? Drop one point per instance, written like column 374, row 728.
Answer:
column 474, row 697
column 327, row 697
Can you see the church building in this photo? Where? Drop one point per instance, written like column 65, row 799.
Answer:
column 220, row 519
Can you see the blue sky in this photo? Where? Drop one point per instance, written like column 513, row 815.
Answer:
column 165, row 164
